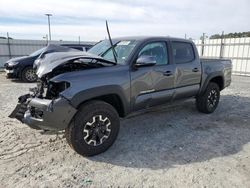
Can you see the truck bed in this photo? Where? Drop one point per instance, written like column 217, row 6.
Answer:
column 217, row 66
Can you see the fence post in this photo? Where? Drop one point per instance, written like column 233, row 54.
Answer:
column 47, row 40
column 8, row 43
column 202, row 44
column 222, row 45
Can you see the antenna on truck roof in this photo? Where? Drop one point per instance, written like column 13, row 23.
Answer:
column 111, row 43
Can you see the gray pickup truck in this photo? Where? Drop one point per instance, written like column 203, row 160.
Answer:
column 86, row 93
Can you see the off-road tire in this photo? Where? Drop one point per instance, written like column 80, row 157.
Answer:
column 75, row 134
column 203, row 101
column 25, row 77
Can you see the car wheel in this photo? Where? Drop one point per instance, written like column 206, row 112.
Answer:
column 209, row 101
column 29, row 74
column 93, row 129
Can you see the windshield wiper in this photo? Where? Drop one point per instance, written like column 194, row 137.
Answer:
column 101, row 60
column 111, row 43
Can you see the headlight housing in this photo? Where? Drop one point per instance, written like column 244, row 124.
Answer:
column 55, row 88
column 13, row 63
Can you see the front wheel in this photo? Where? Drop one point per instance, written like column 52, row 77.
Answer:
column 93, row 129
column 209, row 100
column 29, row 75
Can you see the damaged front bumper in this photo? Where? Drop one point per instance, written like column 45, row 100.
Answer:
column 44, row 114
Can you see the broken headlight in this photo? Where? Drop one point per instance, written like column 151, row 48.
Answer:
column 55, row 88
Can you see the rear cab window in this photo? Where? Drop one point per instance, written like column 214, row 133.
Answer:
column 183, row 52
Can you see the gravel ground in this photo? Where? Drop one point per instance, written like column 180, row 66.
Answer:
column 168, row 146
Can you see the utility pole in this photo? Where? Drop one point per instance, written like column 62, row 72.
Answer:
column 48, row 15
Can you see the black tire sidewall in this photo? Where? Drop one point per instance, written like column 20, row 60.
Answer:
column 86, row 113
column 215, row 87
column 201, row 101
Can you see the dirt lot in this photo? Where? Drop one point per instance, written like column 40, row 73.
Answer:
column 172, row 146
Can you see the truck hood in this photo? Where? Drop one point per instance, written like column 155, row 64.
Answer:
column 54, row 60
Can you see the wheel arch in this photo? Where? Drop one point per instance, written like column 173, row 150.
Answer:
column 111, row 95
column 217, row 78
column 112, row 99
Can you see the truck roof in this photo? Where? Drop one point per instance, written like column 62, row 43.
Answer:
column 142, row 38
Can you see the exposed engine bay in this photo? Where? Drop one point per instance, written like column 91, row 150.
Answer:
column 59, row 63
column 48, row 89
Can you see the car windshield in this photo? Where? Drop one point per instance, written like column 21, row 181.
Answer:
column 38, row 52
column 123, row 49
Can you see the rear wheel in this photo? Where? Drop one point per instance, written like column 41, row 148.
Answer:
column 29, row 75
column 209, row 100
column 94, row 128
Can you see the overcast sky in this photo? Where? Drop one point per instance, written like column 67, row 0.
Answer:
column 86, row 18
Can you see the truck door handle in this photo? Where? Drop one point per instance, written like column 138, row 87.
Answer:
column 167, row 73
column 195, row 69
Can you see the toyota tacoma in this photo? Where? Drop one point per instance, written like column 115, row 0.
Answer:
column 86, row 93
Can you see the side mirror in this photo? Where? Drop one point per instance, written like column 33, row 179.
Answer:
column 145, row 60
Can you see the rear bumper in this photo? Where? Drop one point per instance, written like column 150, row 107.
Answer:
column 47, row 114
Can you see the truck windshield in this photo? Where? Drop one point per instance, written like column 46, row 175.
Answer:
column 123, row 49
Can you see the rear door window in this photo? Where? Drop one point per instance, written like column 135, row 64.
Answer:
column 183, row 52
